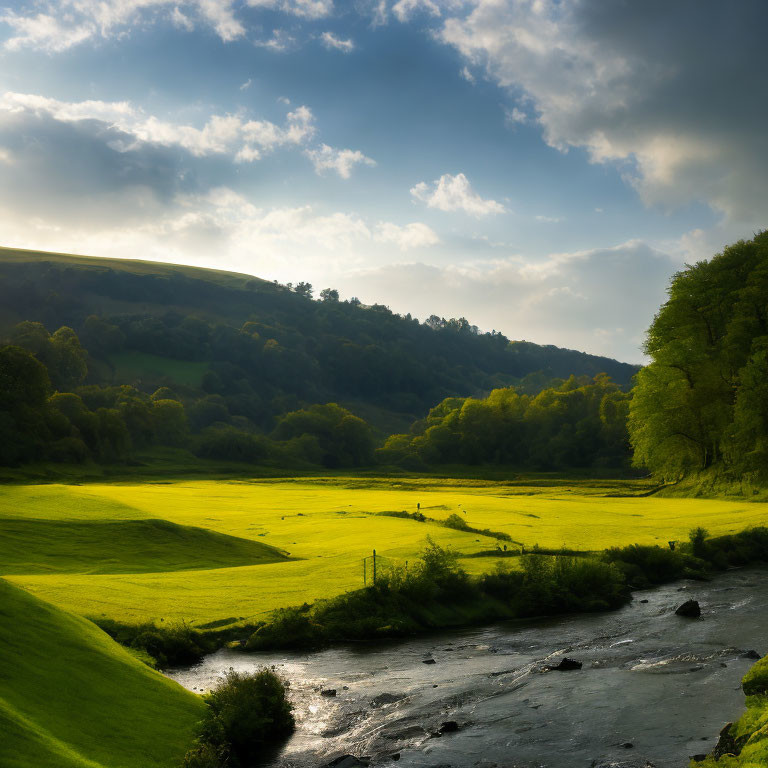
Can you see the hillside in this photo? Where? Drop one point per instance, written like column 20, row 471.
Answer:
column 267, row 348
column 35, row 545
column 70, row 697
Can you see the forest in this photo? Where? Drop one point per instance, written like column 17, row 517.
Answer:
column 326, row 388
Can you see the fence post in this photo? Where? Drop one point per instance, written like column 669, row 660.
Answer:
column 374, row 566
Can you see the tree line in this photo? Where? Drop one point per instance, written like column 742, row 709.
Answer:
column 576, row 423
column 268, row 348
column 49, row 412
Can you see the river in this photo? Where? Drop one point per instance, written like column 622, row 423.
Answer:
column 663, row 684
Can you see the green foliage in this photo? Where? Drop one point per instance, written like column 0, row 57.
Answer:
column 61, row 352
column 574, row 424
column 458, row 523
column 645, row 566
column 344, row 439
column 438, row 592
column 417, row 516
column 755, row 682
column 246, row 713
column 698, row 538
column 174, row 645
column 268, row 348
column 24, row 386
column 701, row 403
column 228, row 443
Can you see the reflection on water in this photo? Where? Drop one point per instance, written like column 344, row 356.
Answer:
column 660, row 683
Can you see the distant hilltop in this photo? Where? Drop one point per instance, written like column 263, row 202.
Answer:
column 174, row 324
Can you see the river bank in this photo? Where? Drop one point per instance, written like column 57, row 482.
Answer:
column 662, row 683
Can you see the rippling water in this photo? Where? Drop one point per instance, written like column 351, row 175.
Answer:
column 660, row 683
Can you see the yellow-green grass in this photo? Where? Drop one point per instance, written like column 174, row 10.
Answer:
column 31, row 545
column 331, row 523
column 70, row 697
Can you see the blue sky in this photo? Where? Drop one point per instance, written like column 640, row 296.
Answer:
column 541, row 167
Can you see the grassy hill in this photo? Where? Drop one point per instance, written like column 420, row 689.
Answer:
column 70, row 697
column 32, row 545
column 264, row 347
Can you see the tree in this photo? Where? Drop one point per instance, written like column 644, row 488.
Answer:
column 169, row 422
column 24, row 388
column 699, row 405
column 329, row 294
column 345, row 440
column 303, row 289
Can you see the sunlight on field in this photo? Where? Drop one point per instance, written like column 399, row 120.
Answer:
column 331, row 525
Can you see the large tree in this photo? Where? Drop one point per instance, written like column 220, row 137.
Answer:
column 700, row 404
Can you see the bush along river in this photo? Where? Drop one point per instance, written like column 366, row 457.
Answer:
column 654, row 688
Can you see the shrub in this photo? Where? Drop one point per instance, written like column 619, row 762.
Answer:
column 456, row 522
column 698, row 538
column 460, row 524
column 287, row 628
column 645, row 565
column 756, row 680
column 174, row 645
column 229, row 444
column 246, row 713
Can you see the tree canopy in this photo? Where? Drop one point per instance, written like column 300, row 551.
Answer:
column 701, row 405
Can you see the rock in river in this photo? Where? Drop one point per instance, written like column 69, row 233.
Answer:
column 690, row 609
column 566, row 665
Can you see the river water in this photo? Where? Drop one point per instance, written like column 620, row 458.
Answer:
column 663, row 684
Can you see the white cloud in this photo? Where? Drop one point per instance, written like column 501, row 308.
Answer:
column 44, row 31
column 332, row 42
column 342, row 161
column 219, row 14
column 467, row 75
column 516, row 115
column 245, row 140
column 57, row 25
column 279, row 42
column 455, row 193
column 181, row 20
column 246, row 85
column 404, row 9
column 308, row 9
column 547, row 219
column 380, row 14
column 414, row 235
column 599, row 300
column 662, row 107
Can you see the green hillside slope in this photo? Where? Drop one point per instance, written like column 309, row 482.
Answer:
column 121, row 546
column 71, row 697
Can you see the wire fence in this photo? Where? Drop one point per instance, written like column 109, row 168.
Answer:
column 375, row 566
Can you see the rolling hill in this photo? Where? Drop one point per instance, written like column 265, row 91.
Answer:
column 70, row 697
column 265, row 347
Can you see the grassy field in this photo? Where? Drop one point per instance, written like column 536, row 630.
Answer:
column 132, row 367
column 327, row 525
column 70, row 697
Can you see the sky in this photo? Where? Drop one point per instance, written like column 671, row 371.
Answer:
column 540, row 167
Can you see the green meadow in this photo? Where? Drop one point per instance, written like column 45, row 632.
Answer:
column 212, row 550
